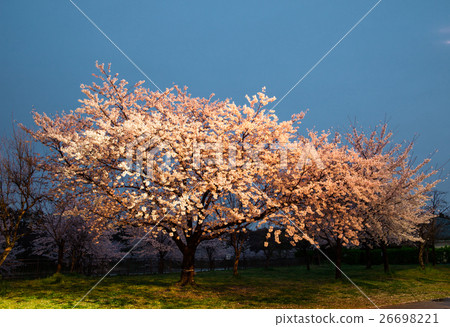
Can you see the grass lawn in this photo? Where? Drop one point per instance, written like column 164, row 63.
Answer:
column 286, row 287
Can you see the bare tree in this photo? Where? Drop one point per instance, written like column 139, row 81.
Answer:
column 20, row 187
column 437, row 207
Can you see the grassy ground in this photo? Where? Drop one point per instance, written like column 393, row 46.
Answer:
column 287, row 287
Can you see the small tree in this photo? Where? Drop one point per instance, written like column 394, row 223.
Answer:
column 238, row 240
column 11, row 262
column 303, row 247
column 437, row 207
column 160, row 245
column 54, row 228
column 90, row 247
column 212, row 250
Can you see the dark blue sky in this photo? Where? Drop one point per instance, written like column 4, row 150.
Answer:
column 395, row 64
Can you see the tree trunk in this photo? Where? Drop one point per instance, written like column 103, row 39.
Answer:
column 368, row 258
column 74, row 262
column 211, row 264
column 308, row 266
column 268, row 253
column 432, row 241
column 426, row 255
column 338, row 261
column 433, row 254
column 385, row 257
column 4, row 254
column 187, row 267
column 160, row 265
column 421, row 248
column 60, row 257
column 236, row 264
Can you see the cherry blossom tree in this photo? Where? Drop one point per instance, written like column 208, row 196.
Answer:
column 149, row 244
column 399, row 209
column 54, row 228
column 359, row 190
column 70, row 239
column 328, row 211
column 90, row 250
column 137, row 154
column 213, row 250
column 179, row 165
column 63, row 235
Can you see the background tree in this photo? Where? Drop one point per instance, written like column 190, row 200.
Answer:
column 303, row 250
column 54, row 228
column 337, row 194
column 213, row 250
column 238, row 241
column 160, row 245
column 11, row 262
column 437, row 207
column 90, row 249
column 269, row 241
column 20, row 187
column 399, row 208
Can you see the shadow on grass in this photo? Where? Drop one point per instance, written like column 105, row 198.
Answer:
column 283, row 287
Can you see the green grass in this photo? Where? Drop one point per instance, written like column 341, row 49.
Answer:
column 287, row 287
